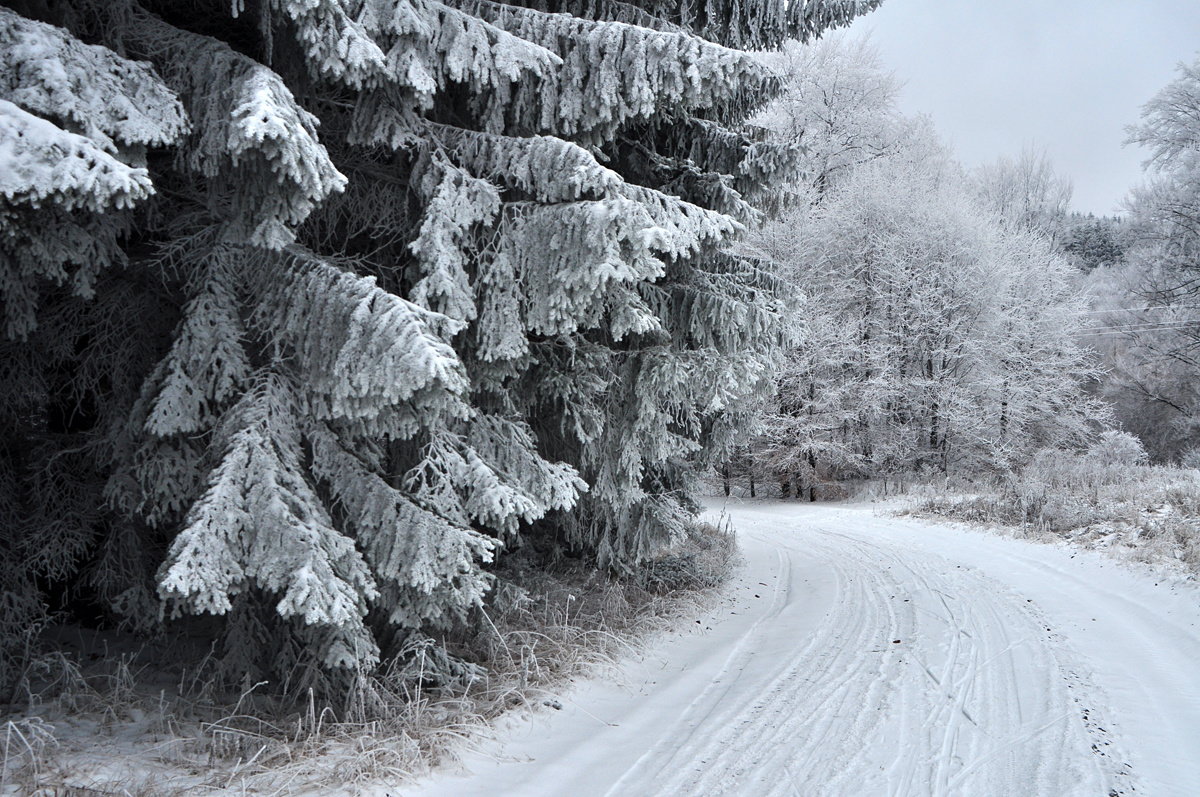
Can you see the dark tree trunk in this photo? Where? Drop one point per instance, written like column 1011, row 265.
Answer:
column 933, row 412
column 1004, row 413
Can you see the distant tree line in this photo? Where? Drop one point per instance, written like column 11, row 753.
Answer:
column 940, row 330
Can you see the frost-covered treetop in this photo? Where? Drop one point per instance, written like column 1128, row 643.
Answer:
column 1170, row 126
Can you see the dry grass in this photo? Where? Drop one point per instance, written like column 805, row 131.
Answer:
column 105, row 731
column 1146, row 513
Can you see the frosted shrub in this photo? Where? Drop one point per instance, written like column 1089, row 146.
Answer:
column 1103, row 498
column 1118, row 448
column 704, row 558
column 1191, row 458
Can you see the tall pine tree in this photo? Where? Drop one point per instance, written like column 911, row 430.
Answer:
column 312, row 307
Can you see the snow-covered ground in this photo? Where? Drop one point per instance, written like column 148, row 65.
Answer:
column 865, row 655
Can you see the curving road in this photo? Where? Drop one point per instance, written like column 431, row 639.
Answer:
column 861, row 655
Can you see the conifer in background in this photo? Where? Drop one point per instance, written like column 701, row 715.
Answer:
column 311, row 308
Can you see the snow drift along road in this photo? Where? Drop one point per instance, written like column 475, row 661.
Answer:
column 859, row 655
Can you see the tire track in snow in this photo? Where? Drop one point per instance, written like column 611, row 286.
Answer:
column 921, row 679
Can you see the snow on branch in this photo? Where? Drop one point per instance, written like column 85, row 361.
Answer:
column 207, row 365
column 547, row 168
column 725, row 312
column 386, row 117
column 368, row 357
column 756, row 163
column 260, row 524
column 629, row 314
column 508, row 447
column 500, row 328
column 428, row 567
column 421, row 45
column 493, row 476
column 337, row 46
column 681, row 229
column 572, row 258
column 457, row 203
column 615, row 73
column 48, row 175
column 91, row 89
column 156, row 479
column 646, row 15
column 567, row 257
column 429, row 44
column 745, row 24
column 652, row 521
column 255, row 144
column 41, row 163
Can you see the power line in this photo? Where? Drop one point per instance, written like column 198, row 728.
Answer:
column 1146, row 325
column 1140, row 309
column 1132, row 328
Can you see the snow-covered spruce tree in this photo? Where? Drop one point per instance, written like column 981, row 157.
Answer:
column 314, row 306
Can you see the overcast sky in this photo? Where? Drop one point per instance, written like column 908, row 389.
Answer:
column 1067, row 75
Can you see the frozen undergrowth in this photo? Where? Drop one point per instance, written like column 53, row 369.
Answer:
column 1135, row 512
column 107, row 717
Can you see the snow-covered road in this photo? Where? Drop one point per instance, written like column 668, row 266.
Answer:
column 863, row 655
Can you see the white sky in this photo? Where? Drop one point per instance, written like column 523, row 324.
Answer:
column 1065, row 75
